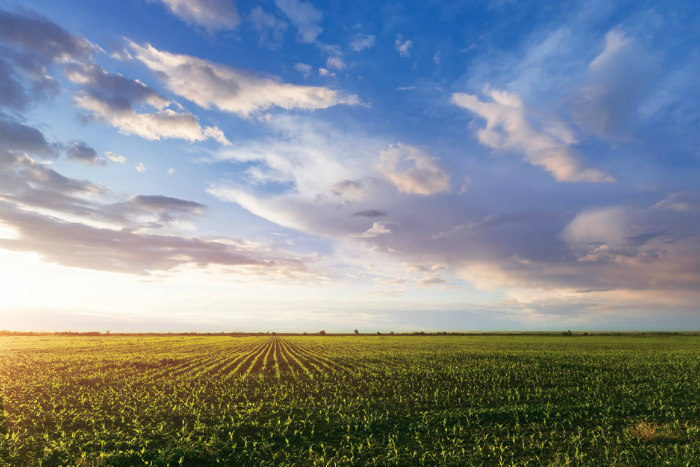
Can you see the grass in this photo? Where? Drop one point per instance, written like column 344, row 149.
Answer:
column 352, row 400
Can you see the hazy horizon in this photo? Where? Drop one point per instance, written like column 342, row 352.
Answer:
column 291, row 165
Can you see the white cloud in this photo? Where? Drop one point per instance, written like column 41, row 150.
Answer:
column 413, row 171
column 403, row 47
column 118, row 158
column 140, row 167
column 171, row 171
column 336, row 63
column 229, row 89
column 362, row 41
column 377, row 229
column 213, row 15
column 304, row 16
column 114, row 98
column 153, row 126
column 596, row 227
column 324, row 72
column 304, row 68
column 507, row 128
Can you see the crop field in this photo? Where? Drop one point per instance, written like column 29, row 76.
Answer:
column 352, row 400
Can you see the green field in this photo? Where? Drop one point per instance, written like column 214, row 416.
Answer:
column 353, row 400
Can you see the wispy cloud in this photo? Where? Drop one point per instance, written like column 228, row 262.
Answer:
column 507, row 128
column 212, row 15
column 229, row 89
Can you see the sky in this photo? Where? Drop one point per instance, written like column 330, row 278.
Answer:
column 289, row 165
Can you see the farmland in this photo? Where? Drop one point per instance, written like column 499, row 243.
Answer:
column 352, row 400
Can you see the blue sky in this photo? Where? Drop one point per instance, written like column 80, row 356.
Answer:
column 289, row 165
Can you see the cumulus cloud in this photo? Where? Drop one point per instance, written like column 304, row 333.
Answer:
column 270, row 29
column 413, row 171
column 113, row 98
column 140, row 167
column 83, row 152
column 377, row 229
column 212, row 15
column 229, row 89
column 362, row 41
column 507, row 128
column 335, row 63
column 403, row 47
column 304, row 17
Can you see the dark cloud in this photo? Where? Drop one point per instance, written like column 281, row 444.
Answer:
column 42, row 37
column 15, row 136
column 79, row 245
column 83, row 152
column 114, row 90
column 162, row 203
column 12, row 93
column 29, row 45
column 370, row 213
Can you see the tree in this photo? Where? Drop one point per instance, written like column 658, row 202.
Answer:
column 323, row 333
column 356, row 332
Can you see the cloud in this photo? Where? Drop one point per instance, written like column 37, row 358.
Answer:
column 118, row 158
column 83, row 152
column 313, row 158
column 429, row 281
column 403, row 47
column 348, row 190
column 270, row 29
column 304, row 17
column 71, row 222
column 42, row 37
column 679, row 202
column 362, row 41
column 113, row 98
column 229, row 89
column 335, row 63
column 370, row 213
column 596, row 227
column 79, row 245
column 324, row 72
column 17, row 137
column 29, row 46
column 507, row 128
column 413, row 171
column 164, row 205
column 377, row 229
column 212, row 15
column 140, row 167
column 304, row 69
column 620, row 79
column 114, row 89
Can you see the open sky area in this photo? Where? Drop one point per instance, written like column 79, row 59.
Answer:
column 287, row 165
